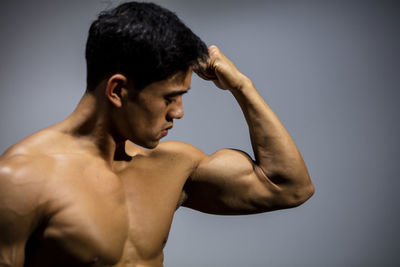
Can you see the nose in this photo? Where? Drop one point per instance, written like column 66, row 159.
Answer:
column 176, row 111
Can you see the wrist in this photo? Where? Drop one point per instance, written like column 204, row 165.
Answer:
column 243, row 84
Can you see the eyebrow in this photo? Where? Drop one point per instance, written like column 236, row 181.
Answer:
column 177, row 93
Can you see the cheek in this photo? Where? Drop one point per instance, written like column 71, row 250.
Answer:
column 156, row 125
column 152, row 123
column 156, row 115
column 150, row 115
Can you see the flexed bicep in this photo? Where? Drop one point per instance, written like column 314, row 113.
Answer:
column 229, row 182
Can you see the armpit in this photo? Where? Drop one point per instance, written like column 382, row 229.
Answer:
column 182, row 198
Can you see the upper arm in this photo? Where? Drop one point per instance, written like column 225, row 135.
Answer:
column 19, row 194
column 229, row 182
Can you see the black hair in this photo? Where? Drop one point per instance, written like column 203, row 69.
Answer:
column 143, row 41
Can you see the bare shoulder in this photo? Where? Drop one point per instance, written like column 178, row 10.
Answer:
column 24, row 176
column 25, row 169
column 184, row 153
column 22, row 204
column 178, row 157
column 179, row 148
column 169, row 149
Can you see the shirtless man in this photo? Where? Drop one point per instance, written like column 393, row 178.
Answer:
column 78, row 194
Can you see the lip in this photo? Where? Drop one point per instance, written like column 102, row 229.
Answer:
column 165, row 131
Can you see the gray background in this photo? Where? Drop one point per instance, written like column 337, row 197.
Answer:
column 329, row 69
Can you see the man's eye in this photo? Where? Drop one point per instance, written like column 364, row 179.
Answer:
column 169, row 100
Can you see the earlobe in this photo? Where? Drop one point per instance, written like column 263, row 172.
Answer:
column 116, row 89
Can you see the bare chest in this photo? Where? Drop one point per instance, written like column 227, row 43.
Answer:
column 88, row 224
column 152, row 197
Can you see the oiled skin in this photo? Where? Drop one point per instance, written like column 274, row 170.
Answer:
column 75, row 194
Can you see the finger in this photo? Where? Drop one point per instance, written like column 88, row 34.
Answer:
column 204, row 71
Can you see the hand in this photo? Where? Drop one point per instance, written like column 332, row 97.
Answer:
column 221, row 71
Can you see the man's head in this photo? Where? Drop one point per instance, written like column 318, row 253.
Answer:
column 143, row 41
column 142, row 55
column 147, row 117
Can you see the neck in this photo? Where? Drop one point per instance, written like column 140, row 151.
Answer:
column 90, row 124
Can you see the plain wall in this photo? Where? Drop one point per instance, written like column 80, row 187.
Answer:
column 329, row 69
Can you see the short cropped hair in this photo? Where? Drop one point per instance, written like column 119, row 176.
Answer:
column 143, row 41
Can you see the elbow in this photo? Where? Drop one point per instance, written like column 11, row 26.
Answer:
column 287, row 192
column 299, row 195
column 286, row 198
column 306, row 193
column 297, row 189
column 295, row 192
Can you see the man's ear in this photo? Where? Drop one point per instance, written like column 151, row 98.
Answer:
column 116, row 89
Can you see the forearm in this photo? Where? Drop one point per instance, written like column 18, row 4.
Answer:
column 275, row 151
column 234, row 184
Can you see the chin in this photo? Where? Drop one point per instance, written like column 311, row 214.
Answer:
column 152, row 145
column 149, row 144
column 145, row 143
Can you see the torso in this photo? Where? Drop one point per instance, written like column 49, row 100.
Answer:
column 153, row 182
column 87, row 221
column 96, row 216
